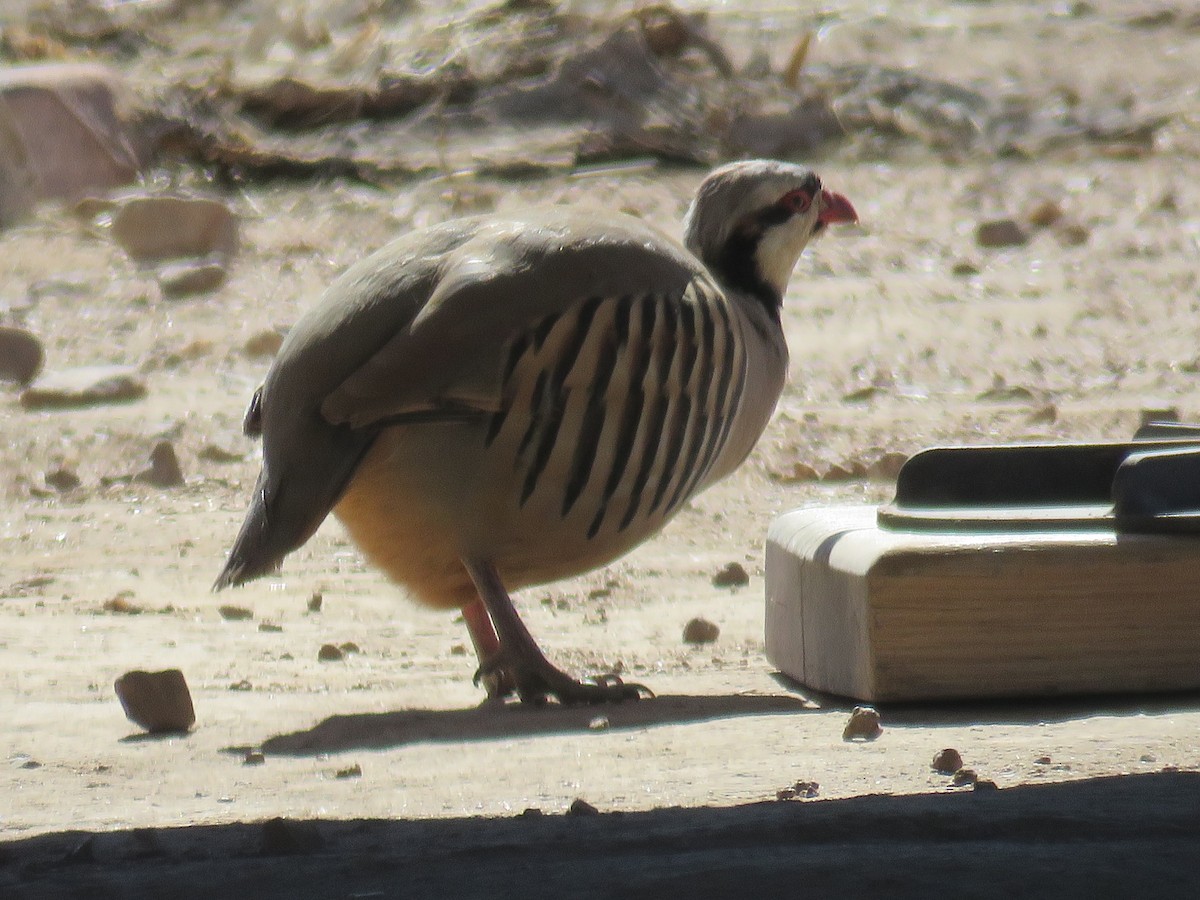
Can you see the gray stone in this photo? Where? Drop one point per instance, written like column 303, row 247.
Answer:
column 156, row 228
column 157, row 701
column 164, row 468
column 21, row 355
column 193, row 276
column 84, row 386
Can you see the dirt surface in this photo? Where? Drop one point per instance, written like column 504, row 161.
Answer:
column 904, row 332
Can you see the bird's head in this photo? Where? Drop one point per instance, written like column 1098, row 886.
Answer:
column 751, row 220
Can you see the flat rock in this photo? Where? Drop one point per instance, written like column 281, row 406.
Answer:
column 84, row 386
column 193, row 276
column 156, row 228
column 157, row 701
column 21, row 355
column 66, row 130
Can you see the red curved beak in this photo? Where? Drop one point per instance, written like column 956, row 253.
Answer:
column 835, row 208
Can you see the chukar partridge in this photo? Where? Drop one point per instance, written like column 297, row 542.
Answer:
column 493, row 403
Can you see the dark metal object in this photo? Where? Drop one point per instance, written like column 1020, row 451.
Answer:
column 1148, row 485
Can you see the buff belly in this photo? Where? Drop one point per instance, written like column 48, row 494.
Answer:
column 424, row 497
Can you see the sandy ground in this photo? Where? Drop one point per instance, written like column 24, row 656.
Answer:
column 1097, row 332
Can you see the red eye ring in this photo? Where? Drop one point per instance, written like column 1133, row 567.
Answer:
column 796, row 201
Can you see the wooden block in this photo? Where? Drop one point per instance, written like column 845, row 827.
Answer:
column 887, row 615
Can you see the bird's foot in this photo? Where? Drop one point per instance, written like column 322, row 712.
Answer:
column 537, row 681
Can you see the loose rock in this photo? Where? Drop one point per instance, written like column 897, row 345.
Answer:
column 84, row 386
column 164, row 471
column 354, row 771
column 21, row 355
column 152, row 229
column 264, row 343
column 157, row 701
column 600, row 723
column 700, row 631
column 62, row 480
column 947, row 762
column 254, row 758
column 801, row 790
column 1045, row 214
column 235, row 613
column 863, row 725
column 315, row 602
column 194, row 276
column 66, row 130
column 270, row 627
column 964, row 777
column 733, row 575
column 330, row 653
column 1000, row 233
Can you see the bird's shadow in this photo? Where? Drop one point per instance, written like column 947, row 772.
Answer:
column 492, row 721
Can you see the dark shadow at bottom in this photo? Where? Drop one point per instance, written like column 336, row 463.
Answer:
column 1131, row 836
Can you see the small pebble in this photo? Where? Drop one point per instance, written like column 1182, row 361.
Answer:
column 270, row 627
column 354, row 771
column 1000, row 233
column 263, row 343
column 863, row 725
column 152, row 228
column 599, row 723
column 458, row 650
column 254, row 758
column 531, row 812
column 947, row 762
column 1073, row 235
column 964, row 269
column 164, row 471
column 243, row 685
column 580, row 807
column 157, row 701
column 964, row 777
column 62, row 480
column 985, row 785
column 235, row 613
column 1043, row 760
column 733, row 574
column 21, row 355
column 349, row 647
column 315, row 602
column 193, row 276
column 700, row 631
column 330, row 653
column 1045, row 214
column 801, row 790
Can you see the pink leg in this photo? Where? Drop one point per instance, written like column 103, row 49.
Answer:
column 519, row 663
